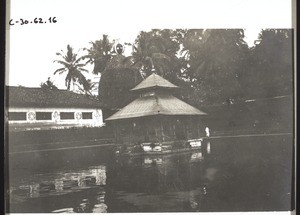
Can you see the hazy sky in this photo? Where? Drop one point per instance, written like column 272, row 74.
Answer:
column 33, row 46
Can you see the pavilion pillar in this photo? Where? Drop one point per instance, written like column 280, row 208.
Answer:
column 162, row 131
column 159, row 131
column 198, row 129
column 147, row 138
column 131, row 133
column 173, row 128
column 185, row 128
column 188, row 128
column 116, row 133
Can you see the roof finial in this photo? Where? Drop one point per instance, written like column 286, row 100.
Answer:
column 153, row 70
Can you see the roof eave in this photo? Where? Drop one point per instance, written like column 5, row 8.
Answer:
column 162, row 114
column 153, row 87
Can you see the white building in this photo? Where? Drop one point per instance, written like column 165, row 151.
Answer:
column 37, row 108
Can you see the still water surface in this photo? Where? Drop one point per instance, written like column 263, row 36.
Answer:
column 228, row 174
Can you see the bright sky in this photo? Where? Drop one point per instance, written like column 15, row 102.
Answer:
column 33, row 46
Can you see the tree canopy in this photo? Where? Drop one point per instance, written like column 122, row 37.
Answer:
column 210, row 65
column 214, row 60
column 270, row 65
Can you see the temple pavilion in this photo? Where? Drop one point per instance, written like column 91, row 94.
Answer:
column 156, row 116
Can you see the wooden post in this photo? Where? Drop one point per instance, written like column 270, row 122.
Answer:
column 116, row 133
column 174, row 131
column 158, row 133
column 185, row 129
column 189, row 128
column 130, row 133
column 198, row 129
column 162, row 131
column 147, row 138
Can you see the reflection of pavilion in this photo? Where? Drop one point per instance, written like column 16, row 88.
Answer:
column 195, row 156
column 160, row 173
column 157, row 119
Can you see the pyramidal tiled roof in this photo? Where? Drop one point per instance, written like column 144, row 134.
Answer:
column 160, row 104
column 154, row 81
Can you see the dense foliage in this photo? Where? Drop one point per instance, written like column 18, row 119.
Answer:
column 270, row 65
column 211, row 66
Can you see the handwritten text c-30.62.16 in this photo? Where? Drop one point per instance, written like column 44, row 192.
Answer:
column 33, row 21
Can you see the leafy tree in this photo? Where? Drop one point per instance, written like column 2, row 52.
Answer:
column 153, row 50
column 99, row 54
column 117, row 76
column 116, row 81
column 212, row 66
column 72, row 66
column 270, row 65
column 156, row 51
column 215, row 59
column 90, row 87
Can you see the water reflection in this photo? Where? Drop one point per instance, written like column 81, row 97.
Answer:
column 34, row 190
column 158, row 174
column 208, row 148
column 223, row 176
column 139, row 181
column 166, row 180
column 89, row 205
column 196, row 156
column 59, row 184
column 152, row 161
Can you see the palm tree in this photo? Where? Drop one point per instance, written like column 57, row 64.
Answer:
column 150, row 53
column 99, row 54
column 88, row 88
column 73, row 68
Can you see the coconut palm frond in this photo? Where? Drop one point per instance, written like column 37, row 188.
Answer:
column 80, row 65
column 78, row 59
column 60, row 70
column 66, row 64
column 73, row 68
column 82, row 69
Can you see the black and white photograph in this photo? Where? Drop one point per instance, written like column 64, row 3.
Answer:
column 150, row 106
